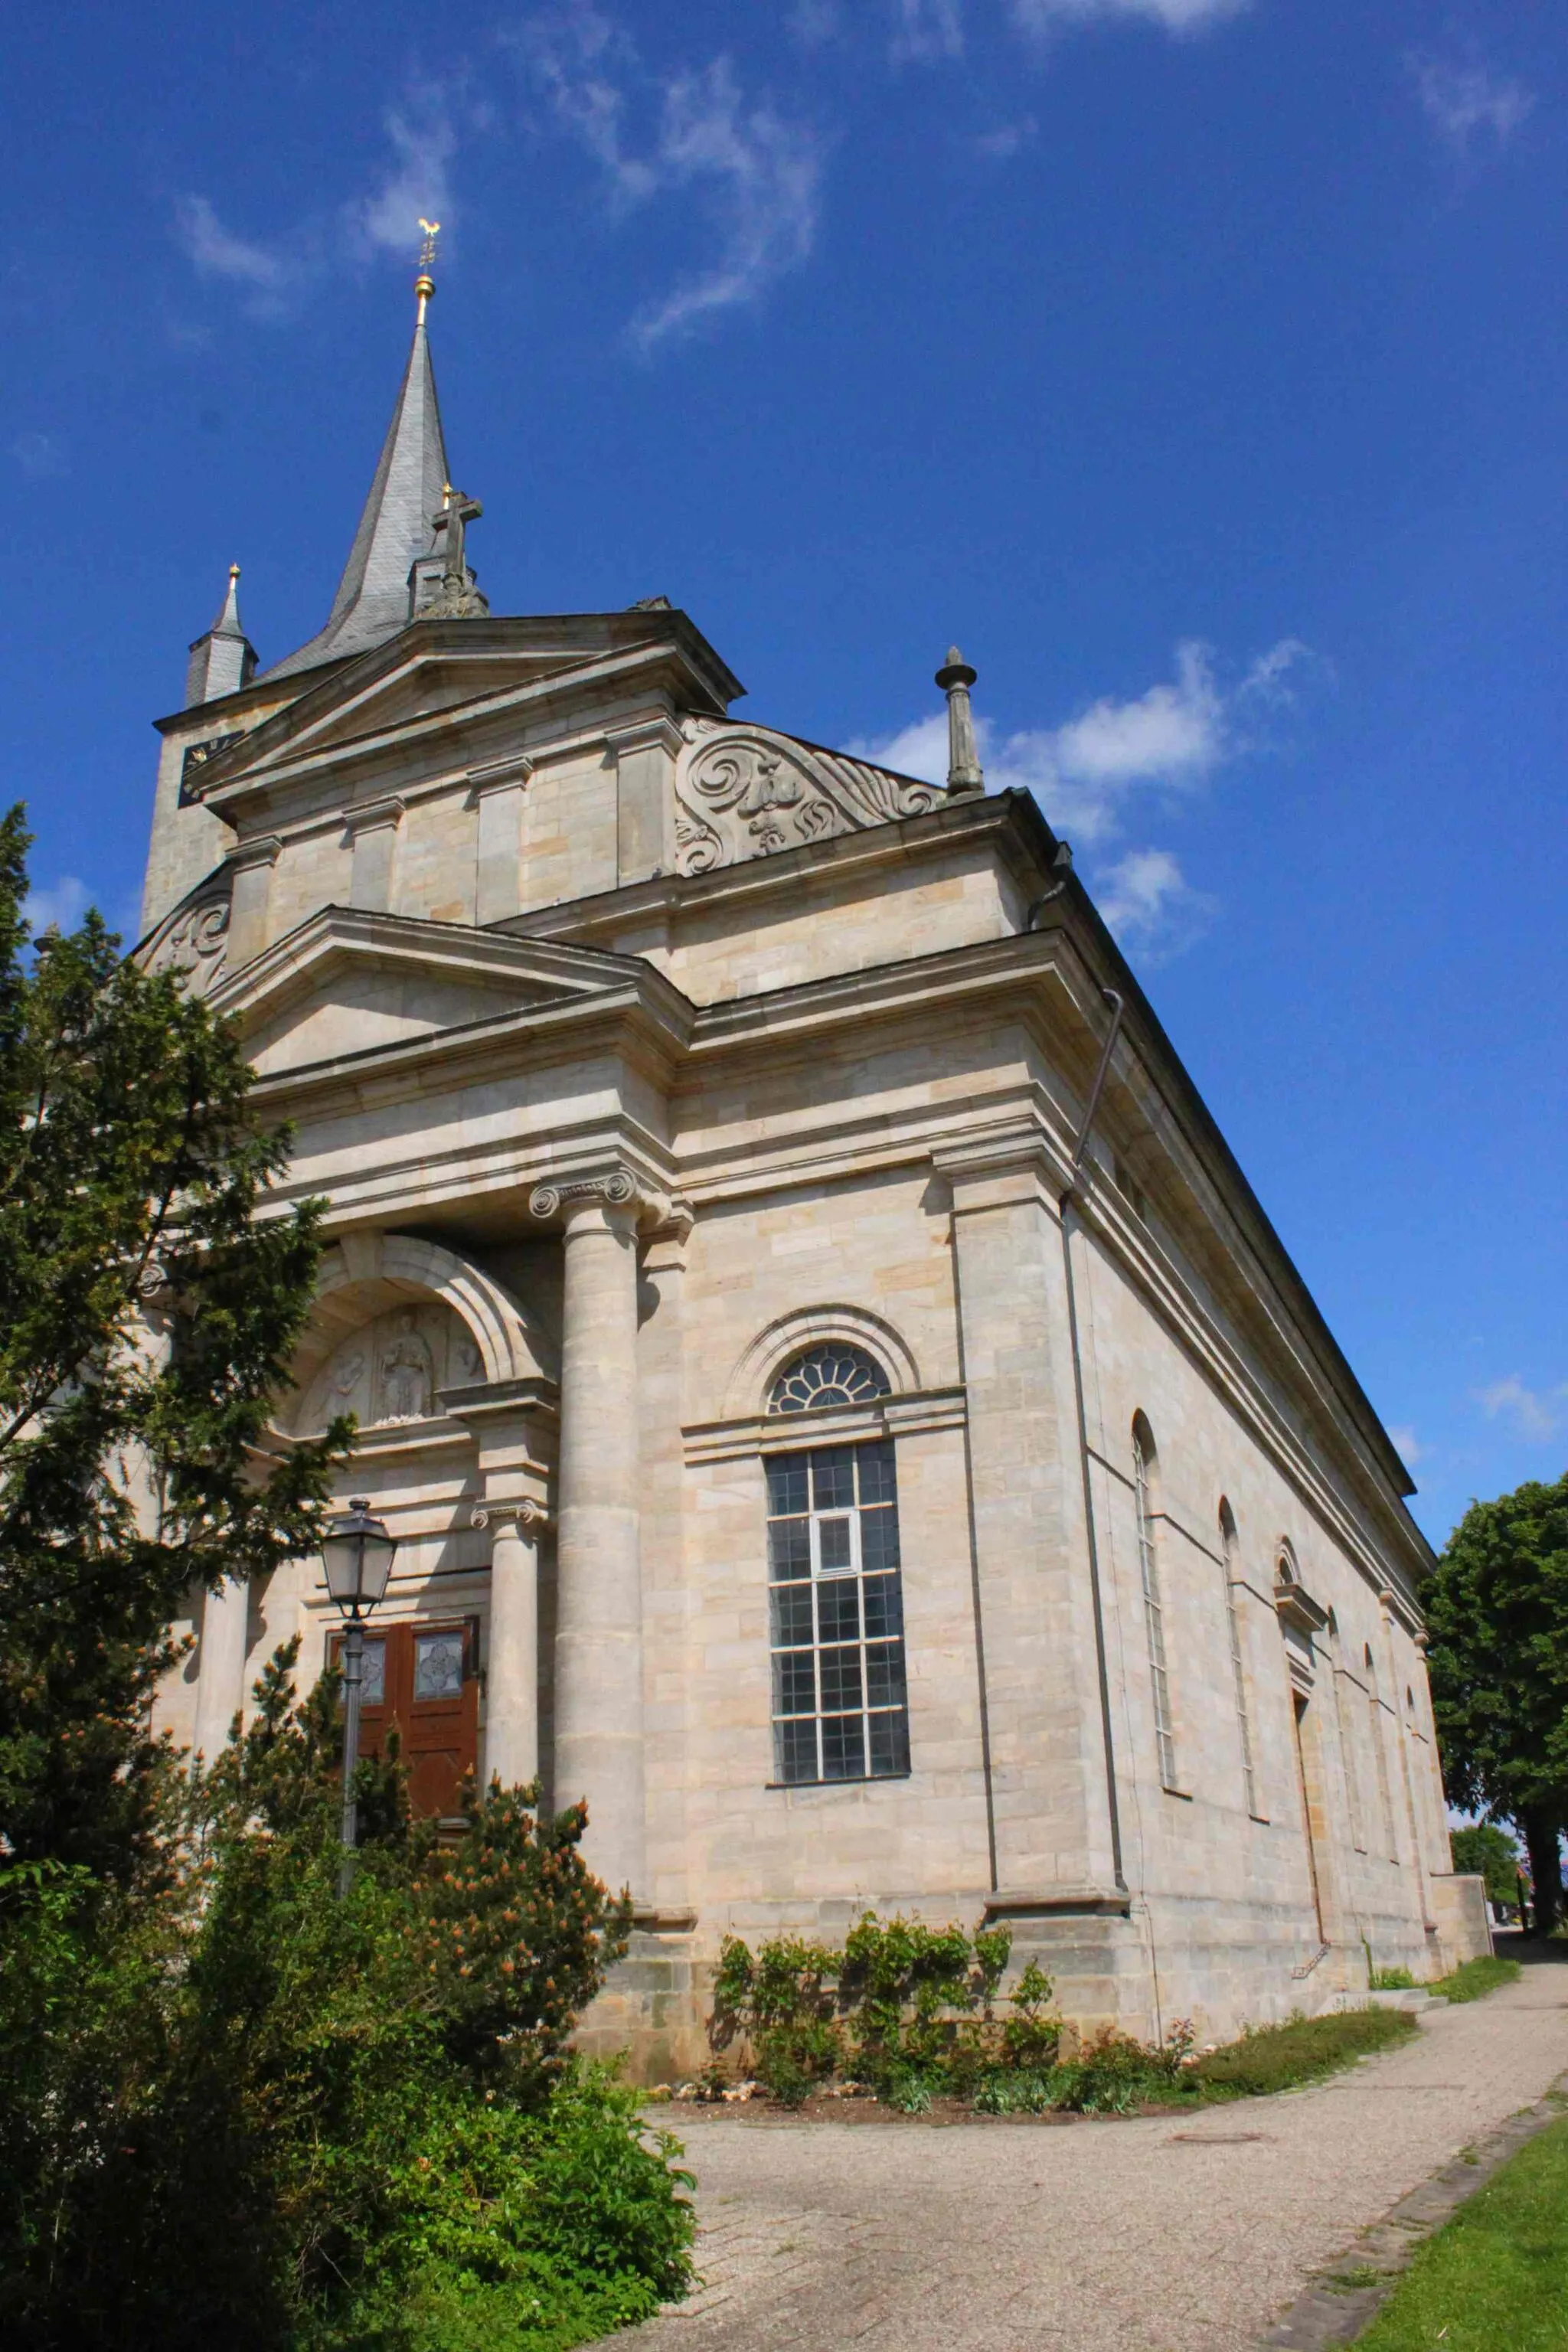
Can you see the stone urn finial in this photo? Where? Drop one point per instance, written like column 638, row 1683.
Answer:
column 964, row 773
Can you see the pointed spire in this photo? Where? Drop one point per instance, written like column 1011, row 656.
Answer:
column 377, row 594
column 964, row 773
column 223, row 659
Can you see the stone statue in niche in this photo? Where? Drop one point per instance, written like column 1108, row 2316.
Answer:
column 407, row 1376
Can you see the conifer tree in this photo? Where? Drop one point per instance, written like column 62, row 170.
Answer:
column 149, row 1304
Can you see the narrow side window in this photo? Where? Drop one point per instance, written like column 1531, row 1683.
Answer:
column 1227, row 1538
column 1153, row 1613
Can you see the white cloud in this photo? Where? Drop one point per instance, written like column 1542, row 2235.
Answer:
column 1536, row 1412
column 56, row 906
column 41, row 456
column 692, row 130
column 1175, row 15
column 1461, row 100
column 1148, row 902
column 415, row 182
column 1092, row 774
column 1085, row 773
column 766, row 174
column 415, row 186
column 216, row 252
column 1407, row 1444
column 924, row 30
column 813, row 22
column 1000, row 144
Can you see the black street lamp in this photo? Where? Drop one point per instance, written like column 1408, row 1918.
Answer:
column 356, row 1552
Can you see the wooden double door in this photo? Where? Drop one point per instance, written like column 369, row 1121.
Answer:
column 423, row 1678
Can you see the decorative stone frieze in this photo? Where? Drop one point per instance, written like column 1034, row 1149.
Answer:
column 746, row 791
column 194, row 939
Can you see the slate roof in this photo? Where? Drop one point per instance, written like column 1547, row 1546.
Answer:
column 395, row 529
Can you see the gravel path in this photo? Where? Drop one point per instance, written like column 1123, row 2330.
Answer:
column 1164, row 2234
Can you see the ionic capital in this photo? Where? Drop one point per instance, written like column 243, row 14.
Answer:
column 520, row 1511
column 614, row 1188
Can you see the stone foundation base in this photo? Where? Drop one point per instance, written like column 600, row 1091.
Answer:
column 1113, row 1961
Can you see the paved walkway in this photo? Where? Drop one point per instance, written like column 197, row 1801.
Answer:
column 1163, row 2234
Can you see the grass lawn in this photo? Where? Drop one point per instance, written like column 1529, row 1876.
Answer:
column 1494, row 2278
column 1477, row 1976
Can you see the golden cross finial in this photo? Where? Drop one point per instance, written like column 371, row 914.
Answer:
column 427, row 250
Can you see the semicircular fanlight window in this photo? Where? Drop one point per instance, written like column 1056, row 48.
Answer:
column 834, row 1373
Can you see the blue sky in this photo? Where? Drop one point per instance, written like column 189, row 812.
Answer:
column 1197, row 364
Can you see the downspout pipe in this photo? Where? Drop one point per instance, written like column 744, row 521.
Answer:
column 1118, row 1006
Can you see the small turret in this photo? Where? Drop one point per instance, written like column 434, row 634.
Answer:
column 223, row 659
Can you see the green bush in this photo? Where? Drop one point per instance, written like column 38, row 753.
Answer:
column 1113, row 2073
column 782, row 2000
column 1277, row 2057
column 1389, row 1981
column 356, row 2118
column 1473, row 1978
column 907, row 2009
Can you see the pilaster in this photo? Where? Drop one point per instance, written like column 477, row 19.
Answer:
column 496, row 789
column 1050, row 1796
column 645, row 756
column 373, row 829
column 251, row 862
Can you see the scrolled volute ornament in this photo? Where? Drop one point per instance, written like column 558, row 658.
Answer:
column 520, row 1510
column 616, row 1190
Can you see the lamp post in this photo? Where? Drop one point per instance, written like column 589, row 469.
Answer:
column 356, row 1552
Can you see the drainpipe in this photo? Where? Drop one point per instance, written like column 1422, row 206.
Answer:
column 1117, row 1004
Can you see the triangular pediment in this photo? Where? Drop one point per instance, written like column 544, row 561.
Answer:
column 349, row 981
column 439, row 681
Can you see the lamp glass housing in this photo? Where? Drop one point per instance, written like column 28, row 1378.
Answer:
column 357, row 1553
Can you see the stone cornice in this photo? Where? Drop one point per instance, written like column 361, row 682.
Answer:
column 912, row 1415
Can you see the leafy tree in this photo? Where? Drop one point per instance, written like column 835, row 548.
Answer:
column 1497, row 1608
column 1485, row 1851
column 147, row 1317
column 234, row 2106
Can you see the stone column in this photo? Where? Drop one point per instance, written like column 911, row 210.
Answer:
column 598, row 1632
column 511, row 1678
column 220, row 1677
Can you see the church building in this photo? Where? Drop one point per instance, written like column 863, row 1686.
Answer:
column 842, row 1409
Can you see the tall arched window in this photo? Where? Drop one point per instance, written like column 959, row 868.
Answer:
column 840, row 1707
column 1143, row 1478
column 1227, row 1538
column 1380, row 1756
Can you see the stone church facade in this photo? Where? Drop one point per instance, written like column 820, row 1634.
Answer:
column 842, row 1409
